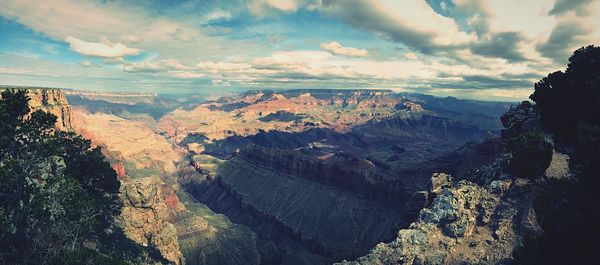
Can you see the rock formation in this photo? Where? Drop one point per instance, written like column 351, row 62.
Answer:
column 330, row 172
column 481, row 219
column 144, row 217
column 114, row 97
column 465, row 224
column 519, row 119
column 53, row 101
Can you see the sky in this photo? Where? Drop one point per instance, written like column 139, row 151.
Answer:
column 490, row 50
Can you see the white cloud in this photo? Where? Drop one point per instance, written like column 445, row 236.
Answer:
column 132, row 25
column 103, row 49
column 174, row 64
column 218, row 15
column 85, row 63
column 510, row 39
column 261, row 7
column 143, row 67
column 336, row 48
column 218, row 67
column 116, row 60
column 413, row 23
column 186, row 75
column 411, row 56
column 219, row 82
column 23, row 71
column 290, row 59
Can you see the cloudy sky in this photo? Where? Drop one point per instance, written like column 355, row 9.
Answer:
column 492, row 50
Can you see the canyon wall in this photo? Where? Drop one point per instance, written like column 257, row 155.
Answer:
column 114, row 97
column 342, row 171
column 319, row 175
column 327, row 220
column 50, row 100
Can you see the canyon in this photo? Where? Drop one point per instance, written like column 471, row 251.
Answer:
column 331, row 173
column 276, row 177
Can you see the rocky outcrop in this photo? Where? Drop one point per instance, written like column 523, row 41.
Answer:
column 480, row 219
column 53, row 101
column 50, row 100
column 465, row 224
column 410, row 106
column 519, row 119
column 144, row 218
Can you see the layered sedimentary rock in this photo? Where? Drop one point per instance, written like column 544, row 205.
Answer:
column 342, row 171
column 137, row 152
column 465, row 224
column 418, row 125
column 53, row 101
column 206, row 238
column 245, row 115
column 319, row 175
column 114, row 97
column 143, row 151
column 286, row 201
column 321, row 183
column 144, row 217
column 50, row 100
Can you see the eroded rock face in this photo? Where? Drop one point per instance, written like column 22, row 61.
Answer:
column 519, row 119
column 410, row 106
column 121, row 97
column 53, row 101
column 465, row 224
column 145, row 216
column 341, row 171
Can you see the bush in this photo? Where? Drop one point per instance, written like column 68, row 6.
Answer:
column 566, row 99
column 568, row 210
column 531, row 154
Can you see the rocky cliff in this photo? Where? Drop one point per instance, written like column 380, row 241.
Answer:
column 319, row 175
column 464, row 224
column 144, row 217
column 419, row 125
column 482, row 217
column 114, row 97
column 50, row 100
column 290, row 207
column 342, row 171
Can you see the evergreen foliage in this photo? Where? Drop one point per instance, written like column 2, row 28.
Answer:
column 531, row 154
column 569, row 210
column 58, row 195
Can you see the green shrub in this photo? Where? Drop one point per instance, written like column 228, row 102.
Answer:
column 531, row 154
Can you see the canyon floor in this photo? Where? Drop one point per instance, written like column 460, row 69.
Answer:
column 282, row 177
